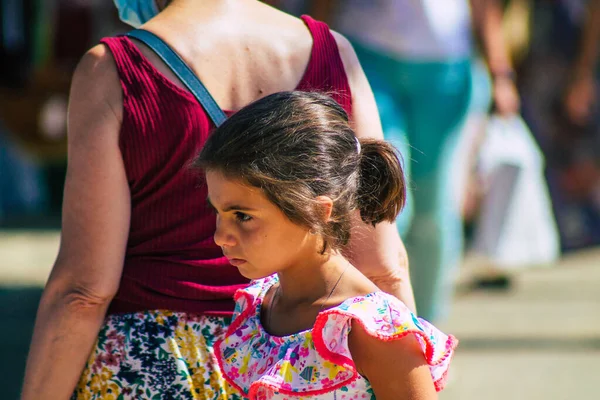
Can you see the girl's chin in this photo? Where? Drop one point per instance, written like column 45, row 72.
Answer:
column 248, row 272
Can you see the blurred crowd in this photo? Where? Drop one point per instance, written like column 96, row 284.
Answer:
column 502, row 121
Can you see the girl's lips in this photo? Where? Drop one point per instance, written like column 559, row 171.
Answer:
column 236, row 262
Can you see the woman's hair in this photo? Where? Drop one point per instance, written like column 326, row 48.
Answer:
column 296, row 146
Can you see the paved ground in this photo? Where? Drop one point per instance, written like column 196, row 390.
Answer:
column 539, row 341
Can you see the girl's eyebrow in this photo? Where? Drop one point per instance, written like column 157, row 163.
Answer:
column 230, row 207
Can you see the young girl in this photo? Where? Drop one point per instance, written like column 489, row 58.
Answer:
column 286, row 175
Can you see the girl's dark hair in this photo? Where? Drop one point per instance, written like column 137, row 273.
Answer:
column 296, row 146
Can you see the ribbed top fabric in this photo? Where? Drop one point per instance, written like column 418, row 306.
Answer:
column 172, row 261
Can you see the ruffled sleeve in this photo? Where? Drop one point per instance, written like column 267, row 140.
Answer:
column 386, row 318
column 248, row 300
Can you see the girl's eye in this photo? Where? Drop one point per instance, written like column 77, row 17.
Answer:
column 241, row 217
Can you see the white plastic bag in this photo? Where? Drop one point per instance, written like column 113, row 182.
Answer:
column 516, row 227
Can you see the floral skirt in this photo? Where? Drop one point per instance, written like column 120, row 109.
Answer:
column 156, row 355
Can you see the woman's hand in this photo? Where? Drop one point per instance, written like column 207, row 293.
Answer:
column 580, row 98
column 506, row 96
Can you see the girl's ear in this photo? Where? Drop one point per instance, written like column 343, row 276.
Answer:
column 324, row 207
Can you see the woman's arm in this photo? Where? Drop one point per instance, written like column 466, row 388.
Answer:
column 377, row 252
column 395, row 369
column 95, row 226
column 487, row 23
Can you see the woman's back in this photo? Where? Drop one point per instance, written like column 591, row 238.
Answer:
column 171, row 261
column 240, row 52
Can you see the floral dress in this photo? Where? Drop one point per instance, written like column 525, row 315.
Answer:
column 156, row 355
column 316, row 363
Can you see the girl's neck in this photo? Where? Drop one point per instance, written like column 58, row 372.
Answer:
column 307, row 284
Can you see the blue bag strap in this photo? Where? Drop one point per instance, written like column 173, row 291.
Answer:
column 183, row 72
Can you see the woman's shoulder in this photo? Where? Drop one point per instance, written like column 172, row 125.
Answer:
column 96, row 79
column 97, row 69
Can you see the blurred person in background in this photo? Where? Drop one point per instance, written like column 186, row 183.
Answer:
column 509, row 223
column 21, row 189
column 137, row 235
column 581, row 92
column 559, row 84
column 40, row 45
column 419, row 59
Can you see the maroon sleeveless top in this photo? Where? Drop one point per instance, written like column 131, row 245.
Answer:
column 172, row 261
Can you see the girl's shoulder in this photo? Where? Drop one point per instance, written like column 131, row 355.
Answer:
column 386, row 318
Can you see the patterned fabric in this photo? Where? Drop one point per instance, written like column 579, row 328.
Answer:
column 156, row 355
column 317, row 363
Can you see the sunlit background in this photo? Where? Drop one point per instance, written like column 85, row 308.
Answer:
column 531, row 331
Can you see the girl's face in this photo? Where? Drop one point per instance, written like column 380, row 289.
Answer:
column 255, row 234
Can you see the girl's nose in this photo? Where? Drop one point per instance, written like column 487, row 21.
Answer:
column 223, row 236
